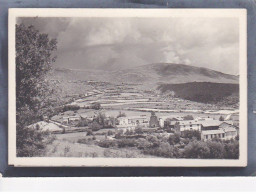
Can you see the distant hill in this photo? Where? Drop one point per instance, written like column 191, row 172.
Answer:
column 172, row 73
column 150, row 76
column 204, row 92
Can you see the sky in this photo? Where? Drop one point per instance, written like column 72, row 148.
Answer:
column 120, row 43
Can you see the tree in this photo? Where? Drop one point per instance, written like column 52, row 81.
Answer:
column 190, row 134
column 95, row 126
column 196, row 149
column 221, row 118
column 96, row 105
column 188, row 117
column 33, row 91
column 138, row 130
column 232, row 150
column 217, row 150
column 174, row 139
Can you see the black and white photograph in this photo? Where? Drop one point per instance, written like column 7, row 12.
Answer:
column 113, row 87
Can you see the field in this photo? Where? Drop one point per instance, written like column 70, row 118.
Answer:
column 66, row 145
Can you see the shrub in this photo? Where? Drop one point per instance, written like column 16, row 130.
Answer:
column 70, row 107
column 196, row 149
column 153, row 140
column 119, row 134
column 163, row 150
column 232, row 150
column 110, row 133
column 221, row 118
column 129, row 132
column 143, row 143
column 82, row 123
column 217, row 150
column 169, row 130
column 107, row 153
column 191, row 134
column 174, row 139
column 96, row 106
column 127, row 143
column 138, row 130
column 33, row 143
column 89, row 132
column 95, row 126
column 66, row 150
column 84, row 141
column 107, row 143
column 188, row 117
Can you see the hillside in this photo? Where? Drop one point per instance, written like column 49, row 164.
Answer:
column 204, row 92
column 173, row 73
column 149, row 76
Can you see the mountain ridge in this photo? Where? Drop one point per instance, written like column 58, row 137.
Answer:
column 151, row 75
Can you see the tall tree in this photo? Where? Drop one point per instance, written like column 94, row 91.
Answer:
column 34, row 55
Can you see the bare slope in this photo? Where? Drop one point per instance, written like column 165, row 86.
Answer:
column 150, row 75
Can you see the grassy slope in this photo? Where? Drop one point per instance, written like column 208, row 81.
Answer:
column 204, row 92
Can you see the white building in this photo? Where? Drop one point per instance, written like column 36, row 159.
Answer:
column 210, row 134
column 132, row 122
column 191, row 125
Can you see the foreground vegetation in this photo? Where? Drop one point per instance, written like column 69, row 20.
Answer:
column 138, row 143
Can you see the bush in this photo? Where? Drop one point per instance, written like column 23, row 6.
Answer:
column 95, row 126
column 138, row 130
column 33, row 143
column 196, row 149
column 85, row 141
column 191, row 134
column 188, row 117
column 107, row 143
column 217, row 150
column 153, row 140
column 89, row 132
column 127, row 143
column 169, row 130
column 82, row 123
column 143, row 143
column 232, row 150
column 118, row 135
column 70, row 107
column 96, row 106
column 174, row 139
column 164, row 150
column 129, row 132
column 110, row 133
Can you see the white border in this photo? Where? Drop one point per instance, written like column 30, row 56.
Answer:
column 129, row 184
column 241, row 14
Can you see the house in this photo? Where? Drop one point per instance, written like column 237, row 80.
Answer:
column 210, row 134
column 169, row 123
column 153, row 121
column 225, row 131
column 234, row 118
column 132, row 122
column 210, row 124
column 70, row 119
column 191, row 125
column 231, row 131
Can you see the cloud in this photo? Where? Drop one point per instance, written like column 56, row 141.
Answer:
column 108, row 43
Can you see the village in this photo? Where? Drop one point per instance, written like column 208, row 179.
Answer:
column 120, row 120
column 209, row 128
